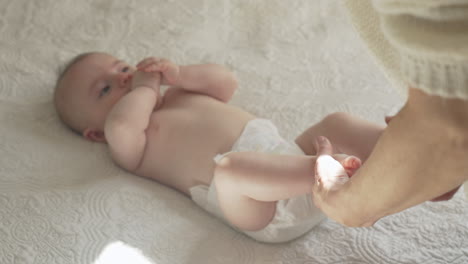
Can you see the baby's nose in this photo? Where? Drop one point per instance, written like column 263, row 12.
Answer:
column 124, row 79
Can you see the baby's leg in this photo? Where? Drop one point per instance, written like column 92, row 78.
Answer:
column 250, row 183
column 348, row 134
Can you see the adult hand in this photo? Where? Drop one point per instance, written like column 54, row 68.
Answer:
column 333, row 170
column 330, row 176
column 324, row 197
column 420, row 156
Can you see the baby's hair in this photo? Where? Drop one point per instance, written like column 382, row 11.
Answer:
column 61, row 73
column 64, row 69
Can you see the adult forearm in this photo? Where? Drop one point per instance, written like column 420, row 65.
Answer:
column 421, row 155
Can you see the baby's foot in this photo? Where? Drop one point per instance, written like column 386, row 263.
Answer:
column 333, row 172
column 351, row 164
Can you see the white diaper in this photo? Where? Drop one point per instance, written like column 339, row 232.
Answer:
column 294, row 217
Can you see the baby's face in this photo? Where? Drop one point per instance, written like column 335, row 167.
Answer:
column 95, row 84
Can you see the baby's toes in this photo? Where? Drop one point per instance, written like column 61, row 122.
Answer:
column 351, row 163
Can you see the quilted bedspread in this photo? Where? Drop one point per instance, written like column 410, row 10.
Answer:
column 62, row 200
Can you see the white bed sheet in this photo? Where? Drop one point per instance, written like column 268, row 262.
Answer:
column 63, row 201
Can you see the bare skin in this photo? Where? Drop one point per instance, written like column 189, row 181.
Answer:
column 173, row 138
column 172, row 156
column 249, row 184
column 421, row 156
column 173, row 141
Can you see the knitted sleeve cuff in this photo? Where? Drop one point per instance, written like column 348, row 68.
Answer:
column 431, row 40
column 421, row 44
column 445, row 79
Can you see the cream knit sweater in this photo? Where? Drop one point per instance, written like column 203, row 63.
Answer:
column 417, row 43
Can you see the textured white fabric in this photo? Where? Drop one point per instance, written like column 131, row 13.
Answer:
column 294, row 217
column 62, row 200
column 466, row 189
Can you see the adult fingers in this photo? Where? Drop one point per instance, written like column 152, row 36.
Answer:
column 350, row 163
column 388, row 119
column 446, row 196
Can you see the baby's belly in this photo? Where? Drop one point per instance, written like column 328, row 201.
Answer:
column 181, row 154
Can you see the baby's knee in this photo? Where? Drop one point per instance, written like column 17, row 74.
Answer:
column 223, row 172
column 336, row 118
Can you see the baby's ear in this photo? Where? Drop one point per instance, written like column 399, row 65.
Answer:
column 94, row 135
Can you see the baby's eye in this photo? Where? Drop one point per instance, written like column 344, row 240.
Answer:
column 105, row 90
column 125, row 69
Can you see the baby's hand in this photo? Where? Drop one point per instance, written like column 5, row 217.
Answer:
column 148, row 79
column 169, row 71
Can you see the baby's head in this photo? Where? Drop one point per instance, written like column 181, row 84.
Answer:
column 87, row 90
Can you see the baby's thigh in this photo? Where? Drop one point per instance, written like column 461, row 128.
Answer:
column 241, row 210
column 348, row 134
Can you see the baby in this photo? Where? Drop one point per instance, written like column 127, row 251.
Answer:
column 229, row 162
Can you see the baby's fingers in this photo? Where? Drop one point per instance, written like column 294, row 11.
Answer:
column 146, row 62
column 150, row 68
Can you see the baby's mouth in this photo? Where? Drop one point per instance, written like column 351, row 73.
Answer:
column 128, row 83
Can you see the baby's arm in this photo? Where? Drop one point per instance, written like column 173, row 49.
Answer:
column 126, row 124
column 210, row 79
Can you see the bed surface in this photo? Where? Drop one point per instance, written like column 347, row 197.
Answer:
column 62, row 200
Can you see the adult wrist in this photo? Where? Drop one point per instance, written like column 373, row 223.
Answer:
column 442, row 113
